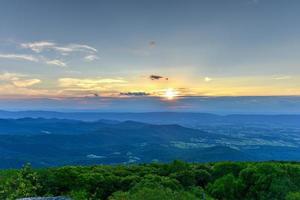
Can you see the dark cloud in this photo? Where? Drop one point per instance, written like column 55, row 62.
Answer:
column 134, row 94
column 152, row 44
column 157, row 77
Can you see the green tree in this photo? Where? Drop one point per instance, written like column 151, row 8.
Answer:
column 25, row 184
column 79, row 195
column 160, row 193
column 224, row 188
column 202, row 177
column 223, row 168
column 266, row 181
column 155, row 181
column 185, row 177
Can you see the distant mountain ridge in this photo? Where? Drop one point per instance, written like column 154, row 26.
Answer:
column 182, row 118
column 54, row 142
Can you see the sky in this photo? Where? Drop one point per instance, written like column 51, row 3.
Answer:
column 150, row 55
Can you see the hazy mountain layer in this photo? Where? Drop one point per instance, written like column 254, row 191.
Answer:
column 52, row 142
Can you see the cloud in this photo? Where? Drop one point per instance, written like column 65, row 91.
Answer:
column 32, row 58
column 157, row 77
column 134, row 94
column 20, row 57
column 38, row 46
column 26, row 83
column 95, row 83
column 91, row 57
column 56, row 62
column 207, row 79
column 84, row 51
column 87, row 52
column 14, row 92
column 82, row 47
column 17, row 80
column 152, row 44
column 65, row 50
column 282, row 77
column 6, row 76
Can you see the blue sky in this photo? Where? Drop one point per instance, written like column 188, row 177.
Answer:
column 64, row 49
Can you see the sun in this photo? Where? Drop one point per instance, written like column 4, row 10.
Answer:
column 170, row 93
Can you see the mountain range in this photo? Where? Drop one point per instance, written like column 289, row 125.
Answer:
column 46, row 142
column 182, row 118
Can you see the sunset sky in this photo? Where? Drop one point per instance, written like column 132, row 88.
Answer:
column 162, row 51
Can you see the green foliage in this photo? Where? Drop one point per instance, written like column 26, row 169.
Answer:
column 266, row 181
column 186, row 178
column 155, row 181
column 293, row 196
column 202, row 177
column 24, row 184
column 79, row 195
column 177, row 180
column 147, row 193
column 223, row 168
column 225, row 188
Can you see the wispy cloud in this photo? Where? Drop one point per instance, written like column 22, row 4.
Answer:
column 55, row 52
column 282, row 77
column 88, row 53
column 32, row 58
column 20, row 57
column 26, row 83
column 56, row 62
column 91, row 57
column 82, row 47
column 12, row 91
column 40, row 46
column 6, row 76
column 94, row 83
column 18, row 80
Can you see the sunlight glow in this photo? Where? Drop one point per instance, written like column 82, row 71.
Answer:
column 170, row 94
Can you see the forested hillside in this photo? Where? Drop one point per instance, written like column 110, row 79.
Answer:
column 60, row 142
column 174, row 181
